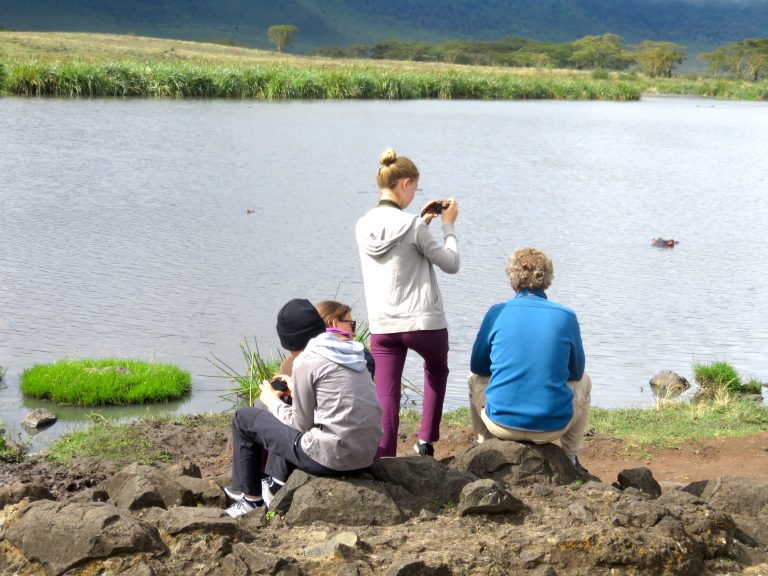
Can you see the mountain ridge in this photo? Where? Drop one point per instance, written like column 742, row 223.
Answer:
column 700, row 23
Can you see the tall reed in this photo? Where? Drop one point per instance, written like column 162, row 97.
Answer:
column 73, row 78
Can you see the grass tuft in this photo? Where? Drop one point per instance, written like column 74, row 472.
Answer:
column 105, row 381
column 721, row 378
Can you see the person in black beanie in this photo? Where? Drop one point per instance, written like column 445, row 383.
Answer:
column 315, row 433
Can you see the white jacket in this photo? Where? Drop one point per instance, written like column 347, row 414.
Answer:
column 397, row 253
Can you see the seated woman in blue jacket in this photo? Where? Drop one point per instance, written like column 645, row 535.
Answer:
column 528, row 381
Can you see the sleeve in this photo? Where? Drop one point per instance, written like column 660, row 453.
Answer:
column 480, row 362
column 444, row 255
column 304, row 398
column 576, row 361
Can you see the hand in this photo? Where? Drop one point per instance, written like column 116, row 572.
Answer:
column 427, row 211
column 268, row 393
column 450, row 211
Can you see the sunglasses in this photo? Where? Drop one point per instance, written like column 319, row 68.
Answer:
column 352, row 323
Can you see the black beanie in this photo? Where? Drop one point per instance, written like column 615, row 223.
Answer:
column 297, row 323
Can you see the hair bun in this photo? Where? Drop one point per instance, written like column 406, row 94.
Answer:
column 389, row 156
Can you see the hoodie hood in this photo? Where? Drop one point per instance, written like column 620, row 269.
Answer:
column 382, row 228
column 347, row 353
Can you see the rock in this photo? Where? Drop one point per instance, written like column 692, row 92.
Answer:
column 334, row 547
column 348, row 502
column 62, row 535
column 517, row 463
column 39, row 418
column 17, row 492
column 418, row 484
column 667, row 385
column 137, row 486
column 205, row 492
column 259, row 561
column 416, row 568
column 733, row 495
column 90, row 495
column 640, row 478
column 348, row 570
column 638, row 513
column 187, row 519
column 581, row 513
column 184, row 468
column 487, row 497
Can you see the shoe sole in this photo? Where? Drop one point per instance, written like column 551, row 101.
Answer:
column 233, row 495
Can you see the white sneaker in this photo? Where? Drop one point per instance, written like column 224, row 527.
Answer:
column 266, row 493
column 241, row 508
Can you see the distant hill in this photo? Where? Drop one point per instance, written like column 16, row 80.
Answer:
column 698, row 24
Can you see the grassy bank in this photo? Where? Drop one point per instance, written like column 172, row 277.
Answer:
column 109, row 65
column 641, row 429
column 76, row 78
column 105, row 381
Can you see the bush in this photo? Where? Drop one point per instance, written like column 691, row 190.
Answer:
column 600, row 74
column 721, row 377
column 107, row 381
column 3, row 77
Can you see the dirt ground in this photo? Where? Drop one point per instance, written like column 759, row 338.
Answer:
column 208, row 446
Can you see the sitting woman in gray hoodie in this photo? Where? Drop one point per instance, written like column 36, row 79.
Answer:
column 332, row 425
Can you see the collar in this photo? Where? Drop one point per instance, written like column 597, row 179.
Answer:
column 524, row 293
column 390, row 203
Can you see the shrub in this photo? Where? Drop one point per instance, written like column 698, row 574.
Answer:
column 3, row 77
column 600, row 74
column 719, row 378
column 106, row 381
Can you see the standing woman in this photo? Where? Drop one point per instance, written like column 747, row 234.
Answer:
column 405, row 308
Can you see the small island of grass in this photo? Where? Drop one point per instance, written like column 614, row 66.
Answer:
column 105, row 381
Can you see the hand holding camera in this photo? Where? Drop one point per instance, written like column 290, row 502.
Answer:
column 447, row 209
column 276, row 388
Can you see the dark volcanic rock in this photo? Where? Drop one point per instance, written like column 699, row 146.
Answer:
column 517, row 463
column 640, row 478
column 62, row 535
column 667, row 384
column 18, row 492
column 487, row 497
column 39, row 418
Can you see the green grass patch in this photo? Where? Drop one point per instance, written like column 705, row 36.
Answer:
column 670, row 424
column 246, row 382
column 106, row 381
column 131, row 442
column 720, row 377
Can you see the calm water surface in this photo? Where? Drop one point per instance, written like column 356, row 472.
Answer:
column 124, row 231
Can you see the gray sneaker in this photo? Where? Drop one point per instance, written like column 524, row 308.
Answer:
column 425, row 449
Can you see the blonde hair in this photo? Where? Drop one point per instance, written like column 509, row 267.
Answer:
column 394, row 168
column 529, row 269
column 331, row 310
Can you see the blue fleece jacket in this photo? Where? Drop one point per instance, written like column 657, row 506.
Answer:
column 530, row 347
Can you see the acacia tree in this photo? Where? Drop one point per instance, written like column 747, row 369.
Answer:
column 658, row 58
column 282, row 35
column 606, row 51
column 745, row 59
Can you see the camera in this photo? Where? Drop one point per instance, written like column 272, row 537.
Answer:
column 280, row 386
column 435, row 207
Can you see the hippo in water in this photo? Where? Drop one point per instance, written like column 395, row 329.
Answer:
column 662, row 243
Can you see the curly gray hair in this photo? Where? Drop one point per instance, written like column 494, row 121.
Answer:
column 529, row 269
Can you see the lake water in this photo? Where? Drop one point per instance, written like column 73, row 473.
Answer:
column 124, row 228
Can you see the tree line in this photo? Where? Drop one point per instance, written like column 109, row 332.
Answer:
column 658, row 59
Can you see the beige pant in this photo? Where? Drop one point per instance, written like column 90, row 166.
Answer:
column 571, row 437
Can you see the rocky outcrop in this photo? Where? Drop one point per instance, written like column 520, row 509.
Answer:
column 517, row 463
column 500, row 508
column 62, row 535
column 23, row 491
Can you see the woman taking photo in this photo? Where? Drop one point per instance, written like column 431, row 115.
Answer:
column 405, row 308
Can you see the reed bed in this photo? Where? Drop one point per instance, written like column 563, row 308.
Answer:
column 281, row 81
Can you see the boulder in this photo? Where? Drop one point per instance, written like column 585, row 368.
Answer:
column 487, row 497
column 517, row 463
column 62, row 535
column 349, row 501
column 39, row 418
column 15, row 493
column 137, row 486
column 410, row 567
column 666, row 385
column 641, row 479
column 188, row 519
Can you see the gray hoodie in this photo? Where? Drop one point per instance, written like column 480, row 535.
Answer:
column 397, row 253
column 334, row 404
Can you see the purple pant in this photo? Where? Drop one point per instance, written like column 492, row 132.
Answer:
column 389, row 351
